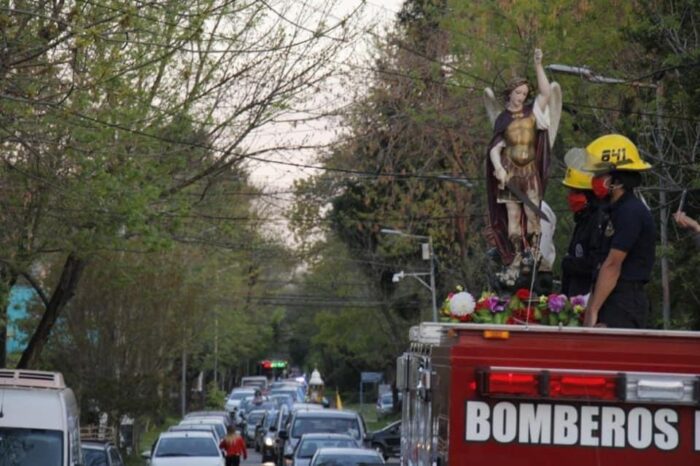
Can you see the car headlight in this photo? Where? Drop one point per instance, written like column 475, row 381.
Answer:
column 268, row 441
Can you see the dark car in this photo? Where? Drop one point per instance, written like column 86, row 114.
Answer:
column 309, row 443
column 252, row 420
column 346, row 457
column 265, row 435
column 279, row 424
column 99, row 453
column 331, row 421
column 387, row 441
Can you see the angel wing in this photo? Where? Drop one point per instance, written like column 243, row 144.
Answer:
column 555, row 104
column 493, row 108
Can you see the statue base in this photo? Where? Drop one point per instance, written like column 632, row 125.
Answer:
column 519, row 274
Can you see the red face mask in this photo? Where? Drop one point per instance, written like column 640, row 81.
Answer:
column 577, row 201
column 600, row 186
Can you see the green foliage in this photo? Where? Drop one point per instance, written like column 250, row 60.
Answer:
column 215, row 397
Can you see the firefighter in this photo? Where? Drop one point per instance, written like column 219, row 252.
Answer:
column 583, row 254
column 619, row 298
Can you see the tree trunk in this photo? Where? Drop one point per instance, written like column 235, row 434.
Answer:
column 65, row 289
column 7, row 280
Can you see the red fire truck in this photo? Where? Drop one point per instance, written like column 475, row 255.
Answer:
column 504, row 395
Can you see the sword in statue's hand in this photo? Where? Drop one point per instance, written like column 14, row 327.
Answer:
column 527, row 202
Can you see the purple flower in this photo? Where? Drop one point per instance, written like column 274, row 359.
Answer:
column 492, row 303
column 557, row 302
column 579, row 300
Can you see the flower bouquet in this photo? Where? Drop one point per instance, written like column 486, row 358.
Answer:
column 519, row 309
column 457, row 307
column 558, row 309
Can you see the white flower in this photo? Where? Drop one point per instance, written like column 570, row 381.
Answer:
column 462, row 304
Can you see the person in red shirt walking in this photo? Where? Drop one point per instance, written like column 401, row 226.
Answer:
column 233, row 447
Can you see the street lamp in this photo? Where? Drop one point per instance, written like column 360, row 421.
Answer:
column 427, row 254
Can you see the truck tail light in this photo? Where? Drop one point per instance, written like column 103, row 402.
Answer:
column 601, row 387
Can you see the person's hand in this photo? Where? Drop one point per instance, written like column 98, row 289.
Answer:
column 501, row 175
column 538, row 56
column 589, row 320
column 683, row 221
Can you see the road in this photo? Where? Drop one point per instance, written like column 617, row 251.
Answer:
column 254, row 459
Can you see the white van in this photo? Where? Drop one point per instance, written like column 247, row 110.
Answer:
column 39, row 419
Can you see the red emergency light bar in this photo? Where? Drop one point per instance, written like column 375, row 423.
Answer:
column 583, row 385
column 534, row 383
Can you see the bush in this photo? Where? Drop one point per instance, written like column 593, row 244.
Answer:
column 216, row 398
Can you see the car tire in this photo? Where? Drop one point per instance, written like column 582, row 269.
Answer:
column 381, row 450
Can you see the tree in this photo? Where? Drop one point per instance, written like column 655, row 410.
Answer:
column 114, row 118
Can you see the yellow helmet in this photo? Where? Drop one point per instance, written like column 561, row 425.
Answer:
column 614, row 152
column 577, row 179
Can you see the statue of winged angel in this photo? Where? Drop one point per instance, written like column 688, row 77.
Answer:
column 517, row 163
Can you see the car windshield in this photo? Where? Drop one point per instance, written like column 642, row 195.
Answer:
column 269, row 419
column 30, row 447
column 239, row 395
column 95, row 457
column 186, row 446
column 330, row 425
column 308, row 447
column 347, row 459
column 387, row 399
column 255, row 417
column 293, row 393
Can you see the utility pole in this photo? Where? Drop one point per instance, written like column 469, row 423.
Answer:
column 663, row 211
column 183, row 383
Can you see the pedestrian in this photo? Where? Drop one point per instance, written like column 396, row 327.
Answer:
column 233, row 447
column 683, row 221
column 583, row 255
column 619, row 298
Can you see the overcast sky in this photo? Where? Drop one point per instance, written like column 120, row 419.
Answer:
column 377, row 16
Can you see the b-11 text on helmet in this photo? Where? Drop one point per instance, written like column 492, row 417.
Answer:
column 577, row 179
column 614, row 152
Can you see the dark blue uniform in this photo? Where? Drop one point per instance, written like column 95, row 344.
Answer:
column 585, row 250
column 630, row 229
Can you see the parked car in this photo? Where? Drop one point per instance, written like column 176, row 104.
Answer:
column 185, row 449
column 39, row 419
column 306, row 406
column 256, row 381
column 297, row 393
column 330, row 421
column 282, row 398
column 224, row 415
column 264, row 431
column 197, row 428
column 252, row 420
column 346, row 457
column 309, row 443
column 218, row 425
column 387, row 441
column 236, row 396
column 385, row 404
column 100, row 453
column 279, row 425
